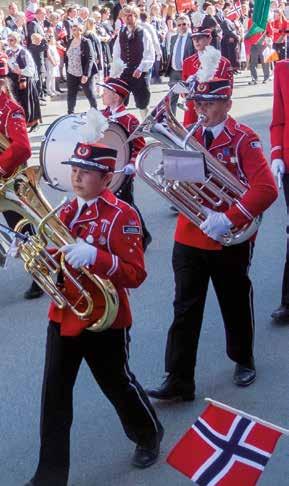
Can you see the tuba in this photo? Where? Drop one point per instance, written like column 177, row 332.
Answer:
column 220, row 187
column 21, row 193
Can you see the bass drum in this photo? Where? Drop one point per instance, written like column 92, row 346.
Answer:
column 59, row 142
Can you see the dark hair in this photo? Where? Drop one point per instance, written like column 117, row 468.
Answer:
column 143, row 16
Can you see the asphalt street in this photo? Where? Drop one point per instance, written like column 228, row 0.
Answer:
column 100, row 451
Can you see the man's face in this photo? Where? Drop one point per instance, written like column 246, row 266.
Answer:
column 13, row 9
column 88, row 184
column 73, row 13
column 130, row 19
column 200, row 42
column 41, row 15
column 182, row 26
column 215, row 111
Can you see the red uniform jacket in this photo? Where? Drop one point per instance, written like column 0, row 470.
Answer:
column 239, row 149
column 129, row 122
column 280, row 119
column 279, row 28
column 190, row 67
column 13, row 126
column 113, row 227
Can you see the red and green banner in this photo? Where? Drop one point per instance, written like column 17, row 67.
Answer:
column 260, row 17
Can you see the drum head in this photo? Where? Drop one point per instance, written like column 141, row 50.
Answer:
column 58, row 145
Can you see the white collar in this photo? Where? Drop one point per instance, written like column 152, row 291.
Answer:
column 81, row 202
column 217, row 129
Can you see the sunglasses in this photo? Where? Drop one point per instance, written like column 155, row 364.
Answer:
column 11, row 40
column 182, row 25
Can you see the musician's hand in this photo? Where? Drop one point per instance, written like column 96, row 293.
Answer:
column 129, row 169
column 79, row 254
column 137, row 73
column 216, row 224
column 278, row 167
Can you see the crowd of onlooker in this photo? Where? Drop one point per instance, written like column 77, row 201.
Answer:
column 36, row 45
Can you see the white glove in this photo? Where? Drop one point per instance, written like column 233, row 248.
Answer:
column 216, row 224
column 277, row 167
column 79, row 254
column 129, row 169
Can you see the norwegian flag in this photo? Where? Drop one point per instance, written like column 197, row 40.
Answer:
column 235, row 11
column 224, row 448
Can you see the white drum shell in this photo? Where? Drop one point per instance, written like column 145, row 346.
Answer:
column 58, row 145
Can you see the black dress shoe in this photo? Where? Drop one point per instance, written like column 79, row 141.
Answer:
column 245, row 374
column 173, row 388
column 34, row 292
column 145, row 455
column 281, row 314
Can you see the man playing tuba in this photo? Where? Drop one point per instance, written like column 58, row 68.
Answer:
column 198, row 256
column 109, row 244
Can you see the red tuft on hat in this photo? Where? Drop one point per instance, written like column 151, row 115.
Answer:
column 214, row 89
column 3, row 64
column 93, row 157
column 117, row 85
column 201, row 31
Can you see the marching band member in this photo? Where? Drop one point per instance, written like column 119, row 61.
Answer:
column 109, row 244
column 198, row 256
column 13, row 127
column 114, row 93
column 206, row 55
column 280, row 162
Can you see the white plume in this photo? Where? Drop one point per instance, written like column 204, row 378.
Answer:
column 117, row 67
column 94, row 127
column 209, row 60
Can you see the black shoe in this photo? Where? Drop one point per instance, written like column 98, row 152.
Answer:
column 34, row 292
column 245, row 374
column 173, row 388
column 281, row 314
column 146, row 455
column 253, row 82
column 147, row 241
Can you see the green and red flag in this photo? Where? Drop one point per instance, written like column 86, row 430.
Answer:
column 260, row 18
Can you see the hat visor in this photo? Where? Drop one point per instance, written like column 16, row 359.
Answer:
column 208, row 97
column 87, row 166
column 107, row 86
column 201, row 34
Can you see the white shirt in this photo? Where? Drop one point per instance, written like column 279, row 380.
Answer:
column 183, row 40
column 80, row 203
column 155, row 40
column 216, row 130
column 148, row 58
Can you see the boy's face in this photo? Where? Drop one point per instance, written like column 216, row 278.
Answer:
column 215, row 111
column 110, row 98
column 88, row 184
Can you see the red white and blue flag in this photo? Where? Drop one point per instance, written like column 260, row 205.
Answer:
column 234, row 12
column 224, row 448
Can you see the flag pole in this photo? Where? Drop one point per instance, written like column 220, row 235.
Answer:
column 247, row 415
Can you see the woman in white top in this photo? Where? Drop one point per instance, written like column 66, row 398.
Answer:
column 23, row 74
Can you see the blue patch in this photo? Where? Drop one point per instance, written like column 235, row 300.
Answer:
column 256, row 144
column 131, row 230
column 226, row 151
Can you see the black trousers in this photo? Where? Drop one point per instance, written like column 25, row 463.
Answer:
column 285, row 283
column 73, row 83
column 126, row 193
column 106, row 354
column 139, row 88
column 228, row 269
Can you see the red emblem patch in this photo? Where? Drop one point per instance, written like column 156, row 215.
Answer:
column 84, row 151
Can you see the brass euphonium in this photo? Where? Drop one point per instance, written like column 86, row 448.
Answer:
column 21, row 193
column 220, row 186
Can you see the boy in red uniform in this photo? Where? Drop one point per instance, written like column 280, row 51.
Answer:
column 109, row 244
column 280, row 162
column 115, row 92
column 198, row 256
column 221, row 66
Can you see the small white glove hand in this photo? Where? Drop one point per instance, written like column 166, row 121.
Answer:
column 277, row 167
column 129, row 169
column 79, row 254
column 216, row 224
